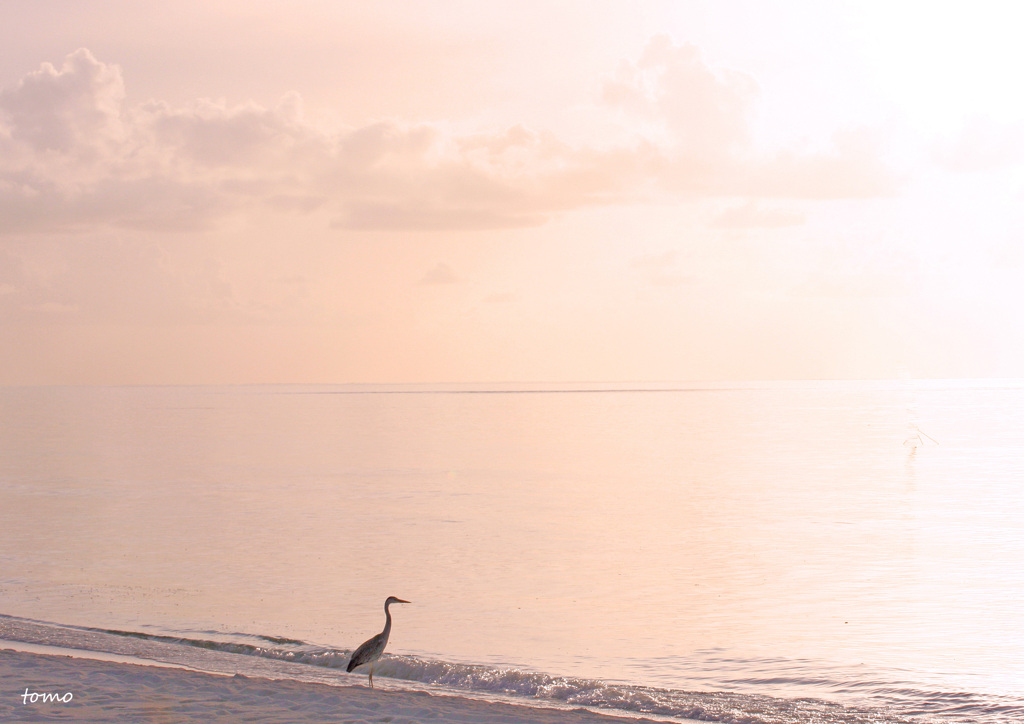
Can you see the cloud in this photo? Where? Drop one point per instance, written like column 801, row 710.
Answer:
column 707, row 112
column 72, row 157
column 698, row 120
column 213, row 134
column 852, row 169
column 982, row 145
column 75, row 157
column 750, row 215
column 500, row 298
column 440, row 273
column 417, row 216
column 511, row 178
column 74, row 109
column 153, row 202
column 97, row 163
column 112, row 281
column 660, row 269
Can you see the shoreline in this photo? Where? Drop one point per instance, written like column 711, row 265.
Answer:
column 103, row 691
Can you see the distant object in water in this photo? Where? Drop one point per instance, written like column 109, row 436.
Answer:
column 371, row 650
column 917, row 439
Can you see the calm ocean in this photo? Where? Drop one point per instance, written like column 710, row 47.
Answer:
column 790, row 552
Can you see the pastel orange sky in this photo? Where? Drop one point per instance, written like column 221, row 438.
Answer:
column 240, row 192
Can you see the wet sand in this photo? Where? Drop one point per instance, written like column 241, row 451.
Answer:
column 87, row 690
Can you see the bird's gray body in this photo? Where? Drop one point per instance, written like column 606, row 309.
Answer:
column 370, row 651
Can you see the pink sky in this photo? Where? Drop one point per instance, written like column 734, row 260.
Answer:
column 416, row 192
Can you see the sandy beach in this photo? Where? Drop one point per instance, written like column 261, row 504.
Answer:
column 104, row 691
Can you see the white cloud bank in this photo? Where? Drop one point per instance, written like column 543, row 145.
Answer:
column 74, row 156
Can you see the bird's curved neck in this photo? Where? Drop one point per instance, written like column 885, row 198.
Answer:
column 387, row 621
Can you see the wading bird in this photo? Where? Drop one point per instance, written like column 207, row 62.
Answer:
column 371, row 650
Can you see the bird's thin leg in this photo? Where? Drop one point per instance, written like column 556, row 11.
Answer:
column 371, row 676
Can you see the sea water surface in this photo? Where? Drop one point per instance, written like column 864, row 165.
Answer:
column 784, row 552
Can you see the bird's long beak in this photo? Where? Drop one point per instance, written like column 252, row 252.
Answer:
column 401, row 601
